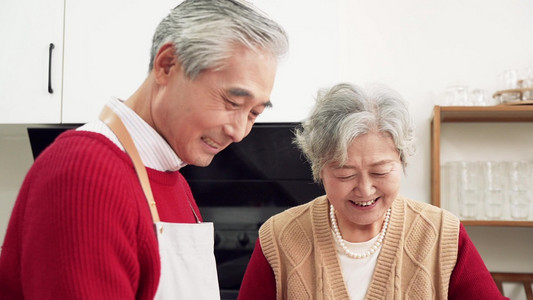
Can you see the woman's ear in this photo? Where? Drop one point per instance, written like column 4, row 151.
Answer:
column 165, row 61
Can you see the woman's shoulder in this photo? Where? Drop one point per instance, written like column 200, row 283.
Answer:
column 429, row 212
column 420, row 206
column 300, row 216
column 292, row 231
column 300, row 211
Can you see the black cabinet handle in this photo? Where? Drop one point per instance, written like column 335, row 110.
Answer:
column 50, row 90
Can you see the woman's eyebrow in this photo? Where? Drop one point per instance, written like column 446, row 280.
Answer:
column 378, row 163
column 382, row 162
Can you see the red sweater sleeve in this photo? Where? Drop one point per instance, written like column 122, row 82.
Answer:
column 80, row 228
column 470, row 278
column 258, row 282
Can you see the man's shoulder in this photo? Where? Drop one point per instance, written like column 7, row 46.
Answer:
column 81, row 154
column 78, row 143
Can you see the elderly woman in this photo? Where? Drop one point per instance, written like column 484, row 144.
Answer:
column 362, row 240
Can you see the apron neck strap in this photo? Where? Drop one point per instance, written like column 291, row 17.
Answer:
column 115, row 124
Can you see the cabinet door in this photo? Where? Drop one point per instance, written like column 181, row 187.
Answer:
column 107, row 52
column 27, row 30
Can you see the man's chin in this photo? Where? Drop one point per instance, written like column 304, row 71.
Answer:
column 202, row 161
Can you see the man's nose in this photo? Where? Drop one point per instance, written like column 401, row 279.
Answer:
column 238, row 128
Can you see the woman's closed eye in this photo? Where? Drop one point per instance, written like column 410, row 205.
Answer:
column 380, row 173
column 346, row 176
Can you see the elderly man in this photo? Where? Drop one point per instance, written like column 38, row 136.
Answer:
column 113, row 218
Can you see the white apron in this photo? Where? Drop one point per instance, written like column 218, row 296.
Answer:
column 188, row 268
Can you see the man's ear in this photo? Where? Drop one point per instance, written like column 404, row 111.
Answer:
column 165, row 62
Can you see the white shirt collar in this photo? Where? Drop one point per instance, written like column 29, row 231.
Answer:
column 155, row 152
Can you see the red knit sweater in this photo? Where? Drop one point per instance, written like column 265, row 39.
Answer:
column 81, row 227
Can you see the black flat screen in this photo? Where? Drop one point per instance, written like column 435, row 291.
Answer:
column 264, row 170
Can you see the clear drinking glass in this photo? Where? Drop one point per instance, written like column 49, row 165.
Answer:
column 457, row 95
column 477, row 98
column 519, row 201
column 510, row 79
column 528, row 80
column 519, row 186
column 493, row 188
column 469, row 187
column 450, row 191
column 519, row 175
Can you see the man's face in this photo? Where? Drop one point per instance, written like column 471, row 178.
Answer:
column 201, row 117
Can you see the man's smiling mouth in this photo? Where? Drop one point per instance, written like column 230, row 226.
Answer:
column 210, row 142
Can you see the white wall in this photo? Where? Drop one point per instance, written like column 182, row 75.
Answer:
column 417, row 47
column 15, row 160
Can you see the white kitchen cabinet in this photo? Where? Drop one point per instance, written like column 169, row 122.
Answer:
column 101, row 50
column 27, row 29
column 107, row 52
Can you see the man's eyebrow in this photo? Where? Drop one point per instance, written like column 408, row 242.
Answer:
column 267, row 104
column 238, row 92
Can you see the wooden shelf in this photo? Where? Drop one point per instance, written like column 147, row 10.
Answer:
column 501, row 223
column 498, row 113
column 465, row 114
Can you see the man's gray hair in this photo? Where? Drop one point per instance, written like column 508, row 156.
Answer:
column 345, row 112
column 204, row 33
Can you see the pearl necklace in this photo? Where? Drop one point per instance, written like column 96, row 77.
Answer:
column 342, row 242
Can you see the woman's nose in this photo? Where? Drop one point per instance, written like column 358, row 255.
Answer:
column 365, row 186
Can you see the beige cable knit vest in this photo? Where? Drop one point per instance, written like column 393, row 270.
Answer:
column 416, row 260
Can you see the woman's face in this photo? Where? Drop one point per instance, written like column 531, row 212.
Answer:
column 364, row 188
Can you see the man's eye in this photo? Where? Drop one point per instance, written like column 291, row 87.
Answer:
column 231, row 103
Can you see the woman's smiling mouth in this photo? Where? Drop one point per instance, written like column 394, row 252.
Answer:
column 365, row 203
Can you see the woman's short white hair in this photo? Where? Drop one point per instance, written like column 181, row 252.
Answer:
column 344, row 112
